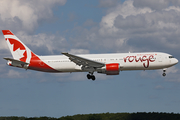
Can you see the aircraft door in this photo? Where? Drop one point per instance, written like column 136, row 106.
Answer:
column 160, row 58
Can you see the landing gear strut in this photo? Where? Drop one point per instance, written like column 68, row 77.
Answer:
column 91, row 76
column 164, row 72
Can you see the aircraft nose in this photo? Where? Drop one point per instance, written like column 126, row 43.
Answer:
column 175, row 61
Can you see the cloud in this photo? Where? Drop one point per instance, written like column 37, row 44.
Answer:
column 89, row 22
column 108, row 3
column 172, row 70
column 173, row 74
column 142, row 28
column 130, row 22
column 156, row 4
column 26, row 15
column 3, row 44
column 153, row 4
column 13, row 74
column 126, row 9
column 10, row 73
column 23, row 18
column 128, row 28
column 79, row 51
column 44, row 44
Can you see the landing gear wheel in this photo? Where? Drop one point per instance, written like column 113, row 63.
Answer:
column 93, row 77
column 88, row 76
column 164, row 70
column 164, row 74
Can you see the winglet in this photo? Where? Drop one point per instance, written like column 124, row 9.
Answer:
column 64, row 53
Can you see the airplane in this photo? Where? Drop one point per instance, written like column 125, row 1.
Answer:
column 109, row 64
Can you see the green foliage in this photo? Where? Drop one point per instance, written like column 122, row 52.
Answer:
column 12, row 118
column 107, row 116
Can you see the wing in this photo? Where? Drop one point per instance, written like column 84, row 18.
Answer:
column 84, row 61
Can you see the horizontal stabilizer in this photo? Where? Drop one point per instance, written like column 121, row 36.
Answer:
column 17, row 63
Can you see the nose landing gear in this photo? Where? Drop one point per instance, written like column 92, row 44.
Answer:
column 164, row 72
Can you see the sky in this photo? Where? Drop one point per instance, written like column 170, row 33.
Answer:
column 49, row 27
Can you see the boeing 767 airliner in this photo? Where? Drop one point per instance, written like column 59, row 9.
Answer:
column 109, row 64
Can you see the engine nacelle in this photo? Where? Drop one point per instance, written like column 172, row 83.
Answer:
column 110, row 69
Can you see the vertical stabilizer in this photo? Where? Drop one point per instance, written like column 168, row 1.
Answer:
column 23, row 57
column 18, row 50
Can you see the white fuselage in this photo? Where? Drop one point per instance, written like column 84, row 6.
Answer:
column 127, row 61
column 109, row 64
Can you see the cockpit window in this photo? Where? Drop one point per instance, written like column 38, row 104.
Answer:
column 171, row 57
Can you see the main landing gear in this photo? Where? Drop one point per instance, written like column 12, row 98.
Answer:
column 164, row 72
column 91, row 76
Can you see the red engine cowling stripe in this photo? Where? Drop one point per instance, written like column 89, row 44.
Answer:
column 112, row 67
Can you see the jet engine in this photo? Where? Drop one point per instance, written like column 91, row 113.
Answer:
column 110, row 69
